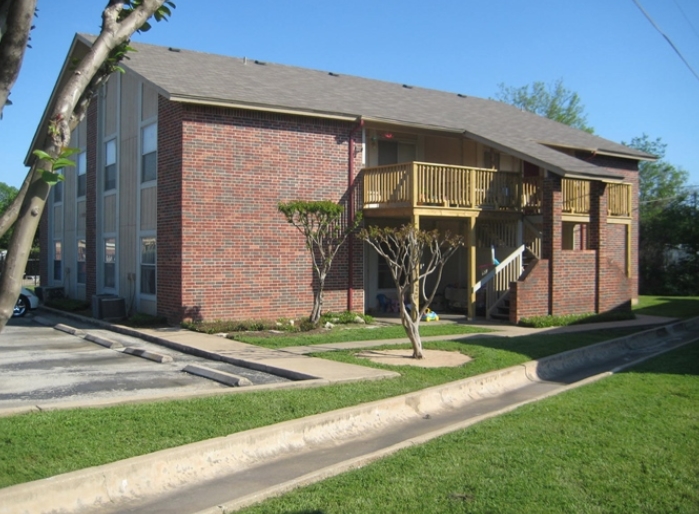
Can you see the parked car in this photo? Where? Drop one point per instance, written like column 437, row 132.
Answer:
column 27, row 300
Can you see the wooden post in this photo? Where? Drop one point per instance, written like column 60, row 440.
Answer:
column 414, row 190
column 415, row 293
column 472, row 279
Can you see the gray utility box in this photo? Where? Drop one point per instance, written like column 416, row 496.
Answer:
column 108, row 307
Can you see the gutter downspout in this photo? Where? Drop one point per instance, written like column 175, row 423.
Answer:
column 350, row 188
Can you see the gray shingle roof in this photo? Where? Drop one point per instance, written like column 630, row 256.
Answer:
column 184, row 75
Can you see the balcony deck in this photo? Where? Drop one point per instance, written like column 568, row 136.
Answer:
column 446, row 190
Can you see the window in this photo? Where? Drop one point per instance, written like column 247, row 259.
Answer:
column 148, row 254
column 57, row 261
column 110, row 169
column 81, row 169
column 82, row 262
column 110, row 262
column 149, row 153
column 58, row 191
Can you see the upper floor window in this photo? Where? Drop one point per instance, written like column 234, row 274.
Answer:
column 149, row 153
column 110, row 168
column 81, row 171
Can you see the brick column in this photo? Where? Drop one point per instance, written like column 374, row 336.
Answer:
column 598, row 239
column 552, row 234
column 91, row 200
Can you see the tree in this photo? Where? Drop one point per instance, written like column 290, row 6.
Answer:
column 553, row 101
column 7, row 196
column 321, row 224
column 120, row 19
column 660, row 183
column 412, row 255
column 663, row 220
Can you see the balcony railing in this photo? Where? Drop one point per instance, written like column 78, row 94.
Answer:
column 416, row 184
column 424, row 184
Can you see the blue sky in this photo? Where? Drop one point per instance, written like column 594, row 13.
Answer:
column 629, row 78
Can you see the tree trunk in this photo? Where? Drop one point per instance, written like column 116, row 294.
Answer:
column 318, row 300
column 412, row 329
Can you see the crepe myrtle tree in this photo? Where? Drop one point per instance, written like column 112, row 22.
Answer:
column 324, row 230
column 120, row 19
column 412, row 255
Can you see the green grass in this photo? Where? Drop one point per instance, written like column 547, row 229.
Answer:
column 344, row 334
column 628, row 443
column 575, row 319
column 43, row 444
column 671, row 306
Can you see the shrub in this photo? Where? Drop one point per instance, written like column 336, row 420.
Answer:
column 67, row 304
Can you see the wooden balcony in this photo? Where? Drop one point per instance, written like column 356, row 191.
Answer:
column 438, row 187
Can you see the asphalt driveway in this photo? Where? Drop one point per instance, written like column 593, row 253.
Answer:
column 41, row 367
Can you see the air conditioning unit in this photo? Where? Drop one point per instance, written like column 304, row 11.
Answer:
column 108, row 307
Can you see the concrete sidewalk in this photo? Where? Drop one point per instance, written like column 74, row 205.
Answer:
column 294, row 362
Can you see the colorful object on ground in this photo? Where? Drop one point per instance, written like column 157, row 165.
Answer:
column 430, row 316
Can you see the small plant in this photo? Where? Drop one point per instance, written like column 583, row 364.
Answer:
column 344, row 318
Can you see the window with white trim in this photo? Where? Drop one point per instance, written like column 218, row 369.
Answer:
column 110, row 262
column 81, row 172
column 149, row 153
column 57, row 261
column 82, row 262
column 110, row 166
column 148, row 261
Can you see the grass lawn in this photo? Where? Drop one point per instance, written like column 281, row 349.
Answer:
column 44, row 444
column 672, row 306
column 628, row 443
column 344, row 333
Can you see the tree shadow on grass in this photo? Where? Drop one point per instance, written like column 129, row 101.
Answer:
column 672, row 306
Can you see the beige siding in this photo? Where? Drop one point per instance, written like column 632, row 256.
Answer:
column 80, row 225
column 149, row 103
column 470, row 152
column 149, row 204
column 110, row 214
column 110, row 105
column 443, row 150
column 58, row 222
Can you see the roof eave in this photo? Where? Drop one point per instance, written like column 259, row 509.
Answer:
column 216, row 102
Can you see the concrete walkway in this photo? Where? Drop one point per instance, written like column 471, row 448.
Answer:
column 293, row 362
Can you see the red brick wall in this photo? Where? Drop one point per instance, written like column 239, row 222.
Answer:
column 170, row 213
column 578, row 281
column 239, row 257
column 529, row 296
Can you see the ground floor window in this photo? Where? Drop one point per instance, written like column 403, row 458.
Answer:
column 82, row 262
column 57, row 261
column 110, row 262
column 148, row 255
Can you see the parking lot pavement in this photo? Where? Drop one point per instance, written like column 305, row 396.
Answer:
column 41, row 367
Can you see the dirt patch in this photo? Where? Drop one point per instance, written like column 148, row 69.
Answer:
column 433, row 358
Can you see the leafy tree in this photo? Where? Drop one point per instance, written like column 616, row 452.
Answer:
column 553, row 101
column 412, row 255
column 660, row 183
column 663, row 219
column 322, row 226
column 7, row 196
column 120, row 19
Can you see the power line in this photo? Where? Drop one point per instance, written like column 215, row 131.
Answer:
column 666, row 38
column 689, row 22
